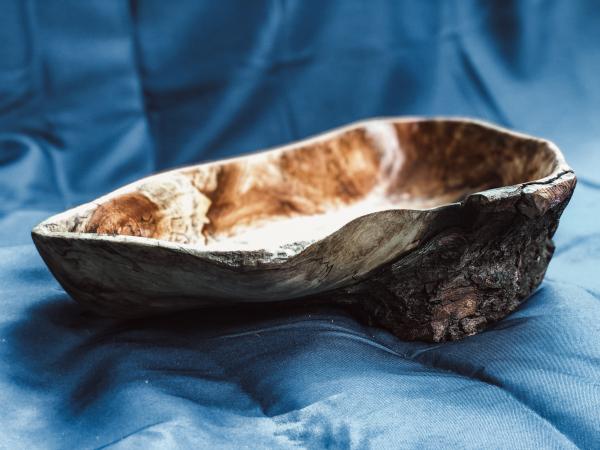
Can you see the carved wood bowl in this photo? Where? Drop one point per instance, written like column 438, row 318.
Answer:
column 431, row 228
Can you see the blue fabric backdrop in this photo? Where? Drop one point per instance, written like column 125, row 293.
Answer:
column 95, row 93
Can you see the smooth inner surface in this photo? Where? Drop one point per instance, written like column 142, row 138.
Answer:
column 306, row 192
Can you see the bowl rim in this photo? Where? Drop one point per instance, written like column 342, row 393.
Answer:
column 44, row 229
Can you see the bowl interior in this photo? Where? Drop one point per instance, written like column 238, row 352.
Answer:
column 305, row 191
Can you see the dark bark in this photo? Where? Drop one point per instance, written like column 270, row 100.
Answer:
column 465, row 277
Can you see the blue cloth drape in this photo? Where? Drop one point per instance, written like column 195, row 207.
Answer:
column 95, row 93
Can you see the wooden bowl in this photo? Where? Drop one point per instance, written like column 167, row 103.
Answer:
column 431, row 228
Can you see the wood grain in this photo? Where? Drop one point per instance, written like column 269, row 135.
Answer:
column 431, row 228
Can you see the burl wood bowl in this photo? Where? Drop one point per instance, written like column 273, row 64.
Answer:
column 431, row 228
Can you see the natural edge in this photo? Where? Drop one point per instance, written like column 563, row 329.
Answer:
column 476, row 267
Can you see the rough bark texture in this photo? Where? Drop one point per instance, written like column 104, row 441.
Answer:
column 463, row 278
